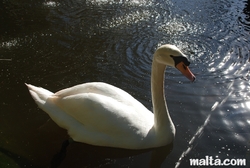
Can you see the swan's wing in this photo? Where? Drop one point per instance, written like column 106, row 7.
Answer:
column 103, row 89
column 103, row 119
column 93, row 110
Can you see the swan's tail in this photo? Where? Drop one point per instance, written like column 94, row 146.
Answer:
column 40, row 95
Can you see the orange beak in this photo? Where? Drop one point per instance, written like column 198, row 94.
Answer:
column 185, row 71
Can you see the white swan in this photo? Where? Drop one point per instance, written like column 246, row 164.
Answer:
column 101, row 114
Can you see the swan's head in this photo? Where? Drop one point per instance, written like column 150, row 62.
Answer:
column 170, row 55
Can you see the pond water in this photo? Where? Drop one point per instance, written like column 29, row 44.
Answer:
column 58, row 44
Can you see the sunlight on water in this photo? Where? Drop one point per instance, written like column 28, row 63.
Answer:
column 51, row 4
column 9, row 44
column 132, row 18
column 247, row 105
column 131, row 2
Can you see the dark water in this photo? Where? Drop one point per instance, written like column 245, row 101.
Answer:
column 57, row 44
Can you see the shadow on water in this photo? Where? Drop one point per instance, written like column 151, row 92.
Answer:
column 80, row 154
column 84, row 155
column 13, row 160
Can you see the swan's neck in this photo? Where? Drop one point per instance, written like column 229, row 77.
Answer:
column 162, row 121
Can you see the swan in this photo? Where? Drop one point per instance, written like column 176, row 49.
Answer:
column 100, row 114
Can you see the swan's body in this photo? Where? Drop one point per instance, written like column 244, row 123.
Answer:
column 104, row 115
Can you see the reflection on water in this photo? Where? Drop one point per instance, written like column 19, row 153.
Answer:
column 107, row 157
column 57, row 44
